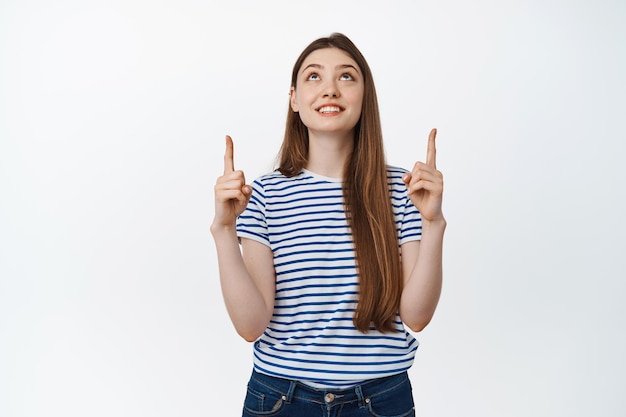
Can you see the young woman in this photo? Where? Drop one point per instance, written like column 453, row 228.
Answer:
column 324, row 261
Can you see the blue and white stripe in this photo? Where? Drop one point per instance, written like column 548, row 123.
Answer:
column 311, row 336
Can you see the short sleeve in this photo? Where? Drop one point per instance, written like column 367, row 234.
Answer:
column 408, row 218
column 252, row 224
column 411, row 226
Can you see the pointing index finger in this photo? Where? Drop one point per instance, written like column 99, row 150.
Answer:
column 431, row 153
column 229, row 164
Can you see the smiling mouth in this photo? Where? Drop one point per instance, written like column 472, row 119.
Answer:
column 329, row 109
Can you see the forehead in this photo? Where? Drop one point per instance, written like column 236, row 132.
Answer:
column 329, row 58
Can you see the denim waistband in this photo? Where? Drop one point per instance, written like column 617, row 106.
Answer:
column 361, row 392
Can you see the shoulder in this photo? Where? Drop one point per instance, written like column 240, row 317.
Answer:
column 395, row 172
column 394, row 177
column 276, row 178
column 270, row 177
column 275, row 183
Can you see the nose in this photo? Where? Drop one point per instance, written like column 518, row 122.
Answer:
column 331, row 89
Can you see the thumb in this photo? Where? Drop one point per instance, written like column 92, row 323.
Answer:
column 246, row 190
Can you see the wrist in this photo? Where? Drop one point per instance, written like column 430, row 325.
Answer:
column 439, row 223
column 218, row 230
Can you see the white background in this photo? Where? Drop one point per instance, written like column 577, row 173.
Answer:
column 112, row 124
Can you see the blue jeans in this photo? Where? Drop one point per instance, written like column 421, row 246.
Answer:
column 277, row 397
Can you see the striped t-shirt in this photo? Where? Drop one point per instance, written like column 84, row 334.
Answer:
column 311, row 336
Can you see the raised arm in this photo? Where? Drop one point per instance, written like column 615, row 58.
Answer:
column 247, row 275
column 422, row 260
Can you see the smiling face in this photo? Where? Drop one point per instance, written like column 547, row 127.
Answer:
column 329, row 92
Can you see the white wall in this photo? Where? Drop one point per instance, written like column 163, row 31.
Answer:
column 112, row 119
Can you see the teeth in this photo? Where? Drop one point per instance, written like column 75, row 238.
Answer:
column 329, row 109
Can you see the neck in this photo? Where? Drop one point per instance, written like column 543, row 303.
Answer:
column 328, row 154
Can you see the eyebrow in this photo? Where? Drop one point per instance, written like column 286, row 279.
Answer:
column 341, row 66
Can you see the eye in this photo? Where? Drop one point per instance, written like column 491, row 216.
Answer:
column 313, row 77
column 346, row 77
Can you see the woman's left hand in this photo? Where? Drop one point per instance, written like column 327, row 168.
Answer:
column 425, row 184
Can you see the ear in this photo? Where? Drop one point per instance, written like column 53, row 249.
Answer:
column 292, row 99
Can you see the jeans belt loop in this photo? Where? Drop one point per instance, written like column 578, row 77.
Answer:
column 292, row 388
column 359, row 394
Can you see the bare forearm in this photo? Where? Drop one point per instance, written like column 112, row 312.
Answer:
column 248, row 310
column 421, row 292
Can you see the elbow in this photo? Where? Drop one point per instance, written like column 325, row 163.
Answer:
column 250, row 332
column 249, row 339
column 249, row 335
column 250, row 329
column 417, row 328
column 417, row 325
column 415, row 318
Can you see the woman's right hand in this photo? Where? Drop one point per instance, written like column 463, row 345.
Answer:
column 231, row 192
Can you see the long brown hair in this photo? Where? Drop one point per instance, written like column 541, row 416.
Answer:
column 366, row 195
